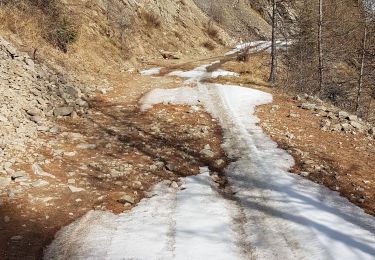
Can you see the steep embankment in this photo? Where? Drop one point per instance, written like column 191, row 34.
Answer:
column 100, row 36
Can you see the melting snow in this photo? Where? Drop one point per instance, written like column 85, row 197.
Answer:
column 283, row 216
column 257, row 46
column 194, row 223
column 150, row 72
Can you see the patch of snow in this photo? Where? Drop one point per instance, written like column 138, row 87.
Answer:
column 287, row 217
column 192, row 74
column 194, row 223
column 150, row 72
column 201, row 72
column 223, row 73
column 180, row 96
column 283, row 216
column 257, row 46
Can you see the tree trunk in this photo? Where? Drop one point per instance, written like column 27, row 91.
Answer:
column 360, row 80
column 320, row 47
column 273, row 73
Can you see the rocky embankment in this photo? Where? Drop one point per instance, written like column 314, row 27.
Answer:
column 330, row 146
column 334, row 119
column 32, row 96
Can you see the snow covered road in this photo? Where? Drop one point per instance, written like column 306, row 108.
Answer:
column 274, row 215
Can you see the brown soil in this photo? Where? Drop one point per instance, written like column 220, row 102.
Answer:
column 134, row 151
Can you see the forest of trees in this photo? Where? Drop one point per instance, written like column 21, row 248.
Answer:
column 333, row 52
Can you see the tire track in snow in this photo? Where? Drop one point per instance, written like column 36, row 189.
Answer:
column 275, row 215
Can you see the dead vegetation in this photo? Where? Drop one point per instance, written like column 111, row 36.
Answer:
column 253, row 70
column 152, row 19
column 53, row 24
column 209, row 45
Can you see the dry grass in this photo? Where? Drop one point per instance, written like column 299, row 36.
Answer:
column 47, row 17
column 212, row 31
column 152, row 19
column 209, row 45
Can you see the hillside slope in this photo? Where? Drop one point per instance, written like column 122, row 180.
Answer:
column 106, row 35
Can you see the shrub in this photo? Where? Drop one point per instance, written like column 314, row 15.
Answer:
column 208, row 45
column 212, row 31
column 244, row 55
column 152, row 19
column 61, row 34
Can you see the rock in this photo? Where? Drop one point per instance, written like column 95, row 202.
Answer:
column 74, row 114
column 63, row 111
column 219, row 163
column 153, row 167
column 331, row 115
column 325, row 124
column 82, row 103
column 137, row 185
column 346, row 127
column 174, row 185
column 71, row 181
column 6, row 219
column 289, row 135
column 170, row 55
column 126, row 199
column 34, row 112
column 4, row 181
column 371, row 131
column 75, row 189
column 42, row 128
column 39, row 171
column 11, row 51
column 305, row 174
column 16, row 238
column 360, row 189
column 309, row 162
column 54, row 130
column 205, row 130
column 357, row 125
column 308, row 106
column 69, row 154
column 29, row 62
column 293, row 115
column 215, row 177
column 343, row 115
column 86, row 146
column 207, row 152
column 353, row 118
column 36, row 119
column 337, row 128
column 170, row 167
column 39, row 183
column 115, row 173
column 7, row 165
column 103, row 91
column 274, row 108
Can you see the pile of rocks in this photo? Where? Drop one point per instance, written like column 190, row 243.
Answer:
column 334, row 119
column 31, row 96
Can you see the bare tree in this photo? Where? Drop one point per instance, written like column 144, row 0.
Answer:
column 272, row 77
column 320, row 48
column 360, row 80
